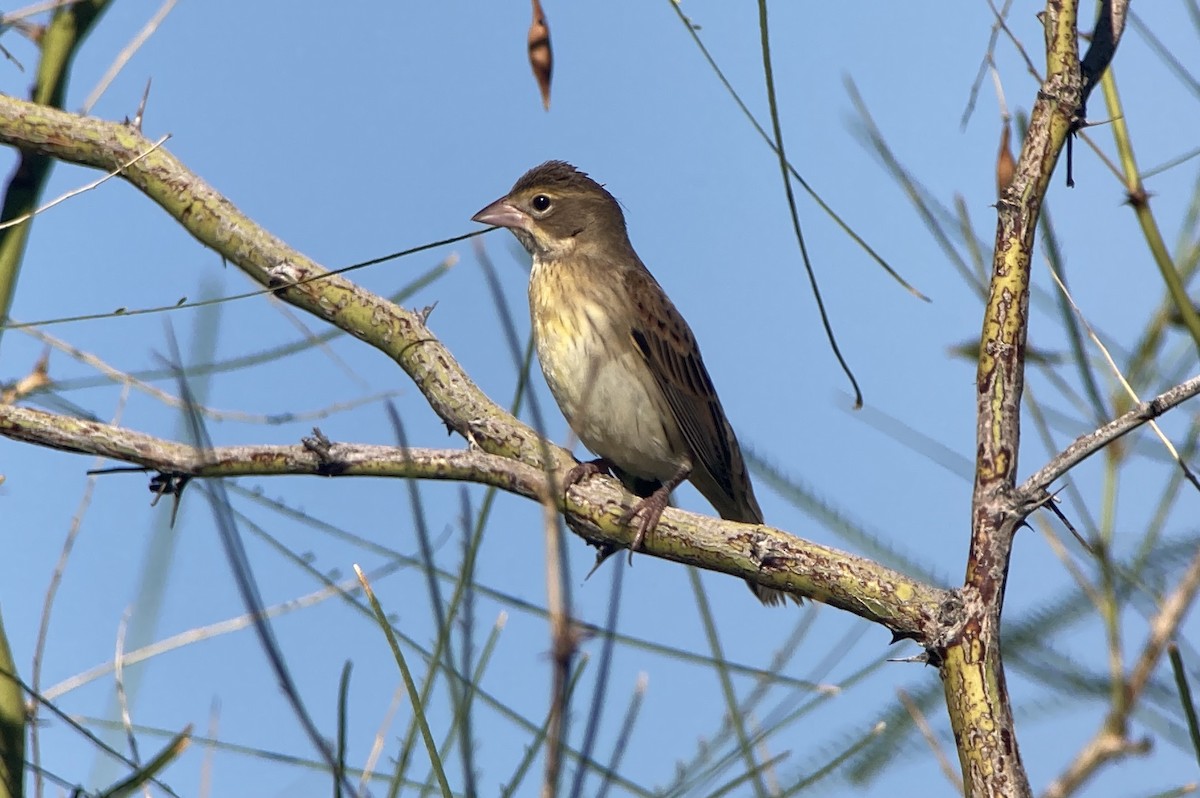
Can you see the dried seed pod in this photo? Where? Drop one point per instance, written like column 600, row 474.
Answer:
column 540, row 57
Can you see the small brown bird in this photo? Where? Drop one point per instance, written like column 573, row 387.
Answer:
column 620, row 360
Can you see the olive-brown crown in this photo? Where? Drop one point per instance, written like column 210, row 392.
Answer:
column 564, row 203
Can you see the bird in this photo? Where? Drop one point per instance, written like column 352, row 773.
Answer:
column 619, row 358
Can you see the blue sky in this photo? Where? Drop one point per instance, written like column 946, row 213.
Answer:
column 358, row 134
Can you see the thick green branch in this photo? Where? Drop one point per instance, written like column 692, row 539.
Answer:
column 216, row 223
column 972, row 670
column 776, row 559
column 909, row 608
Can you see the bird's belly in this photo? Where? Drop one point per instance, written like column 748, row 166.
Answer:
column 608, row 394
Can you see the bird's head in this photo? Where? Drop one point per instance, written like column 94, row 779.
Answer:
column 555, row 209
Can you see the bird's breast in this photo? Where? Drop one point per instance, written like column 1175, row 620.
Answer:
column 599, row 380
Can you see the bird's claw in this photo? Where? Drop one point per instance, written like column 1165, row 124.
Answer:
column 582, row 471
column 651, row 509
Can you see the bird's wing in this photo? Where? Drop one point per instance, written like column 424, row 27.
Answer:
column 666, row 342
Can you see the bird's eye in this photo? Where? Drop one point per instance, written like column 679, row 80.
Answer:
column 541, row 203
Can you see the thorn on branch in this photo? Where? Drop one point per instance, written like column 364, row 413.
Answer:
column 1138, row 198
column 318, row 444
column 136, row 124
column 765, row 555
column 472, row 442
column 167, row 484
column 603, row 552
column 322, row 447
column 171, row 484
column 1071, row 149
column 1054, row 508
column 282, row 276
column 898, row 637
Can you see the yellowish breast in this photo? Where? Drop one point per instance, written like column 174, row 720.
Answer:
column 597, row 377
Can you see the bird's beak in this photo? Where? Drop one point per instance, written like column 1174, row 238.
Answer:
column 502, row 214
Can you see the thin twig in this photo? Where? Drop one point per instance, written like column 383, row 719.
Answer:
column 1086, row 445
column 121, row 377
column 56, row 579
column 1112, row 364
column 33, row 10
column 1110, row 741
column 126, row 53
column 1104, row 747
column 1163, row 627
column 918, row 718
column 119, row 681
column 193, row 636
column 988, row 62
column 204, row 790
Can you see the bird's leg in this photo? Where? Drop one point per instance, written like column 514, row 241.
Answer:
column 651, row 508
column 587, row 468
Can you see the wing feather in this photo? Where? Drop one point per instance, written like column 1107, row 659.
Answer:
column 666, row 342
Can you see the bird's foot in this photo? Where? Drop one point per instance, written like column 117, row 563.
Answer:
column 587, row 468
column 650, row 509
